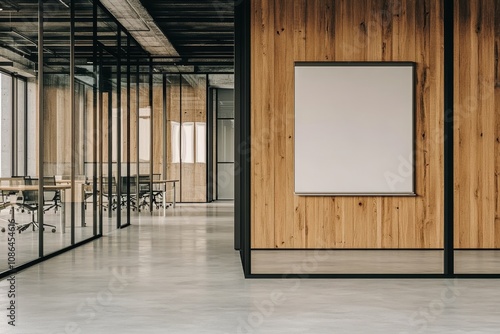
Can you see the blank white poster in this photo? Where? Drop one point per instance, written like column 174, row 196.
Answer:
column 354, row 129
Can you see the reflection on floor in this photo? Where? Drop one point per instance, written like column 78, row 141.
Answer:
column 180, row 274
column 27, row 242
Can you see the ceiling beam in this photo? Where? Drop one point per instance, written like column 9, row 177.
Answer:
column 136, row 19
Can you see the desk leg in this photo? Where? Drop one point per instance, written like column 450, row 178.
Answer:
column 63, row 211
column 164, row 198
column 12, row 220
column 174, row 193
column 82, row 194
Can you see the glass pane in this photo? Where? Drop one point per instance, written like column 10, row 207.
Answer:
column 58, row 132
column 6, row 122
column 225, row 181
column 173, row 130
column 225, row 105
column 225, row 140
column 193, row 181
column 158, row 124
column 21, row 127
column 201, row 142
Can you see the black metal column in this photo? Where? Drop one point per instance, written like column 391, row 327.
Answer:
column 72, row 117
column 14, row 127
column 118, row 129
column 94, row 123
column 101, row 142
column 128, row 129
column 151, row 136
column 164, row 129
column 180, row 138
column 41, row 132
column 242, row 132
column 210, row 143
column 137, row 107
column 449, row 259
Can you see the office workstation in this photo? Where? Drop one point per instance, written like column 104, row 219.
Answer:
column 123, row 135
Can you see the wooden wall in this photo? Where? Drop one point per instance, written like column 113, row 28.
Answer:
column 284, row 31
column 477, row 124
column 193, row 178
column 57, row 124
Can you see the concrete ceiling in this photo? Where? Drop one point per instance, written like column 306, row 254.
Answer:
column 179, row 35
column 137, row 21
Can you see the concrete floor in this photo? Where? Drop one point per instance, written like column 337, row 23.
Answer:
column 180, row 274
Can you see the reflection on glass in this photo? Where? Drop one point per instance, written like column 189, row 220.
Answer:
column 225, row 105
column 6, row 123
column 225, row 181
column 187, row 142
column 21, row 128
column 225, row 144
column 144, row 130
column 201, row 140
column 225, row 140
column 175, row 130
column 57, row 158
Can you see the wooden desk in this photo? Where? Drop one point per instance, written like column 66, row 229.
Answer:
column 24, row 187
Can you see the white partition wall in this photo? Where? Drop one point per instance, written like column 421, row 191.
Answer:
column 354, row 128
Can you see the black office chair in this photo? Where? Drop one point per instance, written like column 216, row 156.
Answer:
column 144, row 199
column 125, row 181
column 157, row 192
column 111, row 197
column 5, row 196
column 51, row 198
column 30, row 203
column 87, row 191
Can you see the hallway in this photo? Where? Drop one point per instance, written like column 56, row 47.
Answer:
column 180, row 274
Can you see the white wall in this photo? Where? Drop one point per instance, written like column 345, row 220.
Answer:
column 5, row 125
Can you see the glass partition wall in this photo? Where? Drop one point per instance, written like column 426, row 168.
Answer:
column 68, row 146
column 94, row 130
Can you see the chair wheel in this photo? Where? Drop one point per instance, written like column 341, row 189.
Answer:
column 53, row 230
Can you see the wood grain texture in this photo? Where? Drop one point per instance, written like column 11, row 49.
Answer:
column 477, row 124
column 193, row 179
column 285, row 31
column 173, row 115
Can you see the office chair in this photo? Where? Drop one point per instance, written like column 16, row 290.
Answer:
column 30, row 203
column 51, row 198
column 88, row 191
column 5, row 196
column 125, row 181
column 157, row 192
column 143, row 191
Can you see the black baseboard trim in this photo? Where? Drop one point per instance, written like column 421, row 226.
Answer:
column 372, row 276
column 347, row 249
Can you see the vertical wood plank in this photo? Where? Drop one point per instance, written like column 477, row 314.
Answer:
column 324, row 30
column 299, row 51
